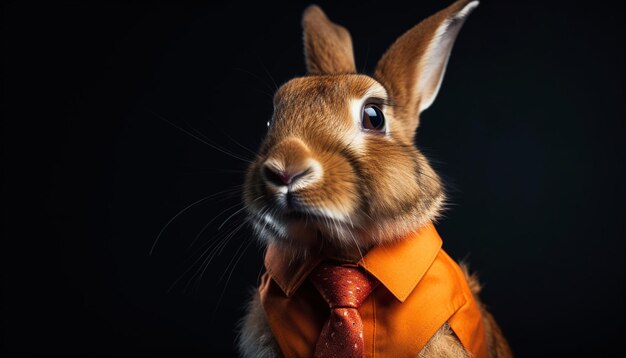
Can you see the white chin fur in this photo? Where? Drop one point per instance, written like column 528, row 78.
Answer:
column 333, row 226
column 339, row 229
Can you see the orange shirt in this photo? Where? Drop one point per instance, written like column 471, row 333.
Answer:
column 420, row 289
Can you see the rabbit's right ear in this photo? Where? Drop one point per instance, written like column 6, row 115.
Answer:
column 327, row 46
column 413, row 67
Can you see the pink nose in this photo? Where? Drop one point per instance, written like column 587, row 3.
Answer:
column 282, row 177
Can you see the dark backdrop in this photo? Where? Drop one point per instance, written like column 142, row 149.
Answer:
column 527, row 131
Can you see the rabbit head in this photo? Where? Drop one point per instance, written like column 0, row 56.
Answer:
column 339, row 167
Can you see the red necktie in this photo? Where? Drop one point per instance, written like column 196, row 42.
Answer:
column 344, row 288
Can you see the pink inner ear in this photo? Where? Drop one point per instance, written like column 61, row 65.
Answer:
column 435, row 60
column 413, row 67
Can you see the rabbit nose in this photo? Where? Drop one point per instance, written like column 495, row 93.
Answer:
column 283, row 177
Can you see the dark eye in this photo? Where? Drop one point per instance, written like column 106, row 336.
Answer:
column 373, row 118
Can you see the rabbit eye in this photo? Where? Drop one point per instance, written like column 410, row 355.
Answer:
column 373, row 118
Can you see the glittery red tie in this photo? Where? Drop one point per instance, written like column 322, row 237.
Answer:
column 344, row 288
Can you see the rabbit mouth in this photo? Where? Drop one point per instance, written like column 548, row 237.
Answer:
column 298, row 223
column 292, row 209
column 304, row 216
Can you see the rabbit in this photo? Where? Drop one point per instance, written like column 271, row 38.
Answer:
column 339, row 176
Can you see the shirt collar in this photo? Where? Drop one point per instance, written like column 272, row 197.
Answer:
column 398, row 266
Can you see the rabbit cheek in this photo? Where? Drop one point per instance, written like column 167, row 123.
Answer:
column 394, row 183
column 335, row 195
column 393, row 189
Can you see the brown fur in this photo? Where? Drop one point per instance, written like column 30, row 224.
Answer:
column 400, row 71
column 444, row 344
column 255, row 338
column 355, row 189
column 327, row 46
column 496, row 343
column 315, row 111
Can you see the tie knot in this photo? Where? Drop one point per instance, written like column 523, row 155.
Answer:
column 342, row 286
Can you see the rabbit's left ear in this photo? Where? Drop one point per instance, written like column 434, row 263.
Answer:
column 413, row 67
column 327, row 46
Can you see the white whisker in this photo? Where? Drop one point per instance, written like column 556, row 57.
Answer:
column 177, row 215
column 205, row 141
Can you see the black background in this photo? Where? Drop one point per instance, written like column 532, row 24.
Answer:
column 527, row 132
